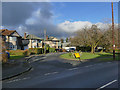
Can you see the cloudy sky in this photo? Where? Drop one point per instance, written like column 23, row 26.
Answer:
column 60, row 19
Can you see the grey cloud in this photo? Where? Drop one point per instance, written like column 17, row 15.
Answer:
column 15, row 14
column 51, row 30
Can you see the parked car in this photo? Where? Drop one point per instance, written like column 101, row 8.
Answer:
column 68, row 50
column 72, row 49
column 58, row 50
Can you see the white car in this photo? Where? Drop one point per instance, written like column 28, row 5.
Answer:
column 68, row 50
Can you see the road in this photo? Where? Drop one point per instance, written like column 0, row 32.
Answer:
column 53, row 72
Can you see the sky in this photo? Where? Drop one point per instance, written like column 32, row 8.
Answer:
column 60, row 19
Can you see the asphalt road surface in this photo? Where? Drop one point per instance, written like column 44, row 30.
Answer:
column 53, row 72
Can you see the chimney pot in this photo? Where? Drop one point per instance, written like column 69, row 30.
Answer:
column 25, row 35
column 47, row 37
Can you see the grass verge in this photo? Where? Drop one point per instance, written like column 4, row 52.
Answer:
column 86, row 56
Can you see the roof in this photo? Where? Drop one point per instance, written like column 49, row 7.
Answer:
column 31, row 36
column 53, row 39
column 7, row 32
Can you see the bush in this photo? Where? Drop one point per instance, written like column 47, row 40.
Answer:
column 63, row 50
column 51, row 50
column 26, row 52
column 70, row 54
column 19, row 52
column 36, row 50
column 3, row 56
column 83, row 49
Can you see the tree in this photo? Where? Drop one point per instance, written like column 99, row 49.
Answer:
column 88, row 37
column 107, row 41
column 67, row 39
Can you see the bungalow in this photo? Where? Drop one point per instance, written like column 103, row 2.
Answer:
column 12, row 39
column 34, row 41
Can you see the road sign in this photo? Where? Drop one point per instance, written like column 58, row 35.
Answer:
column 77, row 55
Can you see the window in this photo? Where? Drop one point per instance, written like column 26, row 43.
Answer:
column 54, row 42
column 12, row 38
column 33, row 41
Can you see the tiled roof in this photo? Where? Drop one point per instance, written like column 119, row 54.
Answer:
column 53, row 39
column 7, row 32
column 32, row 37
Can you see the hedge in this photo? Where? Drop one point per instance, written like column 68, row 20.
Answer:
column 30, row 51
column 19, row 52
column 36, row 50
column 51, row 50
column 83, row 49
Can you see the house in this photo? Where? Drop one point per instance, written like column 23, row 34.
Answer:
column 34, row 41
column 12, row 39
column 53, row 42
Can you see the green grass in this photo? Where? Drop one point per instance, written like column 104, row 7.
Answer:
column 85, row 56
column 16, row 57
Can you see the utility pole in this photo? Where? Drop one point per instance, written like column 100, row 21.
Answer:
column 113, row 33
column 44, row 41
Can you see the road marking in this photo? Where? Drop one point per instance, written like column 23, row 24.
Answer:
column 47, row 73
column 15, row 80
column 38, row 59
column 50, row 73
column 72, row 68
column 89, row 66
column 106, row 84
column 109, row 62
column 54, row 72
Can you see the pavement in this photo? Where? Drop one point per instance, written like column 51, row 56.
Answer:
column 15, row 67
column 54, row 72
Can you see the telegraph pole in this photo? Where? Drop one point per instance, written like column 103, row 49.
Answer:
column 44, row 41
column 113, row 33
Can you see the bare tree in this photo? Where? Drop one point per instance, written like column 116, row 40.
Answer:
column 88, row 37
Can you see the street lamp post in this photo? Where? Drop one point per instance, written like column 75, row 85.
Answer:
column 113, row 33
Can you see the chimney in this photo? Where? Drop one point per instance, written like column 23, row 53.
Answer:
column 25, row 35
column 47, row 37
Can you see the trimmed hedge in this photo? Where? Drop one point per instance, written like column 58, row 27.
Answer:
column 30, row 51
column 83, row 49
column 19, row 52
column 36, row 50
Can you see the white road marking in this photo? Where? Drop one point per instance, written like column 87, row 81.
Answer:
column 15, row 80
column 109, row 62
column 25, row 78
column 106, row 84
column 72, row 68
column 38, row 59
column 54, row 72
column 50, row 73
column 47, row 74
column 89, row 66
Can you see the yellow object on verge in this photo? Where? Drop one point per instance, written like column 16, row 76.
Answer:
column 77, row 55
